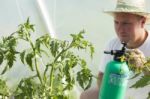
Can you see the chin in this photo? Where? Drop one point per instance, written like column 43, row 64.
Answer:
column 124, row 40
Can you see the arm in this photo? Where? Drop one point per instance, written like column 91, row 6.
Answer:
column 92, row 93
column 99, row 80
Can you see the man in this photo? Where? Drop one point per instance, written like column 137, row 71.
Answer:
column 130, row 18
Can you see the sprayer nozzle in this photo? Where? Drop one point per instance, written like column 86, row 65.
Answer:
column 112, row 52
column 107, row 52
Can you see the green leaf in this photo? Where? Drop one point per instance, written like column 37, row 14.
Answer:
column 3, row 88
column 22, row 56
column 92, row 50
column 29, row 57
column 144, row 81
column 10, row 56
column 54, row 45
column 28, row 26
column 12, row 42
column 37, row 45
column 84, row 78
column 24, row 30
column 27, row 89
column 45, row 39
column 1, row 58
column 83, row 63
column 8, row 50
column 5, row 69
column 148, row 97
column 32, row 28
column 136, row 75
column 9, row 42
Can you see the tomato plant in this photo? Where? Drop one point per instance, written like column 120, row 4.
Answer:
column 140, row 65
column 59, row 75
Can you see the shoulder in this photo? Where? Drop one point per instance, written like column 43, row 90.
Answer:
column 114, row 44
column 147, row 41
column 145, row 47
column 148, row 38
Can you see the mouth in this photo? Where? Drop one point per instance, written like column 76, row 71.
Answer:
column 123, row 35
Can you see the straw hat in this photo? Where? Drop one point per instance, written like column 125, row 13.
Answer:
column 137, row 7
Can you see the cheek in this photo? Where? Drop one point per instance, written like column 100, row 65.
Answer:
column 115, row 27
column 129, row 30
column 117, row 30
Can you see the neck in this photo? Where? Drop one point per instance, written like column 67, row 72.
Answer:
column 137, row 43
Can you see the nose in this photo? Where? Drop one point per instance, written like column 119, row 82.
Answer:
column 119, row 27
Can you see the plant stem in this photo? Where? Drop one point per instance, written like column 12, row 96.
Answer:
column 52, row 69
column 51, row 80
column 148, row 68
column 37, row 71
column 62, row 53
column 36, row 65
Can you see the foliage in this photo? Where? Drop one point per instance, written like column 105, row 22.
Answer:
column 3, row 88
column 139, row 64
column 144, row 81
column 59, row 75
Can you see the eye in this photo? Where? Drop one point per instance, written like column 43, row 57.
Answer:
column 116, row 22
column 126, row 23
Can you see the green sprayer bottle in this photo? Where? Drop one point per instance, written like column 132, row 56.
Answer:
column 114, row 82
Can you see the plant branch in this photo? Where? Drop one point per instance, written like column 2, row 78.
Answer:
column 36, row 65
column 52, row 68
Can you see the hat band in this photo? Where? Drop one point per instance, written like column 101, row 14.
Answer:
column 129, row 8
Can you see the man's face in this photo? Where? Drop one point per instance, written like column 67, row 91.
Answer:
column 128, row 27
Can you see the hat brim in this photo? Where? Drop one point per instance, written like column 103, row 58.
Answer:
column 144, row 14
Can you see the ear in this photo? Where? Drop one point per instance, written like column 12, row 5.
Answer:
column 143, row 21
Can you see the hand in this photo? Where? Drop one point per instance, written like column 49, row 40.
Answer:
column 99, row 80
